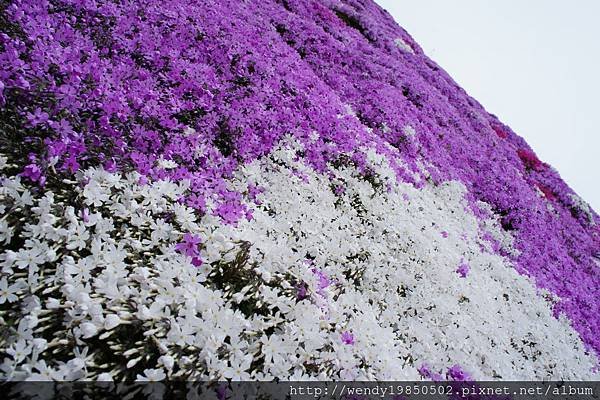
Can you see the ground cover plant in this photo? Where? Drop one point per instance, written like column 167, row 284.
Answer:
column 278, row 189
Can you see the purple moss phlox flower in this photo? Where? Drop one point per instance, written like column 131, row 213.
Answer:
column 457, row 373
column 230, row 212
column 196, row 202
column 85, row 215
column 463, row 269
column 444, row 234
column 70, row 164
column 221, row 391
column 324, row 281
column 189, row 245
column 426, row 372
column 347, row 337
column 197, row 261
column 32, row 172
column 110, row 165
column 37, row 117
column 339, row 190
column 301, row 291
column 254, row 191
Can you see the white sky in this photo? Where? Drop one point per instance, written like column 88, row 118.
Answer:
column 533, row 63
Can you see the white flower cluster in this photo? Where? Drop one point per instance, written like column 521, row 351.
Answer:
column 403, row 45
column 391, row 253
column 359, row 283
column 583, row 207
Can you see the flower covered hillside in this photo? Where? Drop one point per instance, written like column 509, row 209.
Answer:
column 281, row 189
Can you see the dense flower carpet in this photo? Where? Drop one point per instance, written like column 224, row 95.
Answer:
column 291, row 189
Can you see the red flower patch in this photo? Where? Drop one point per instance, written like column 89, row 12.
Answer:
column 530, row 160
column 500, row 131
column 548, row 193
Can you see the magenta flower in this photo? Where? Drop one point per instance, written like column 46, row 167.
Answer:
column 196, row 202
column 38, row 117
column 324, row 281
column 426, row 372
column 456, row 373
column 189, row 246
column 463, row 269
column 32, row 172
column 339, row 190
column 197, row 261
column 70, row 164
column 301, row 291
column 347, row 337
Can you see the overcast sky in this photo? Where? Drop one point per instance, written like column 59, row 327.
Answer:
column 533, row 63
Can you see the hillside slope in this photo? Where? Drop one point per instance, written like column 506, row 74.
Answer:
column 291, row 189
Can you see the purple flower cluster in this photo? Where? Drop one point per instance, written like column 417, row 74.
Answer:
column 457, row 373
column 454, row 373
column 190, row 247
column 463, row 269
column 347, row 338
column 210, row 85
column 206, row 85
column 426, row 372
